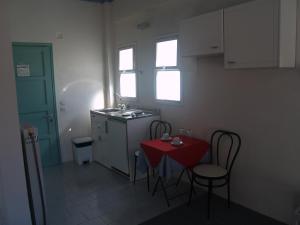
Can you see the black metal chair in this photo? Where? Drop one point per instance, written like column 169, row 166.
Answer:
column 217, row 172
column 157, row 129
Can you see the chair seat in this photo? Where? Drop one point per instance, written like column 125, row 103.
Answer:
column 210, row 171
column 137, row 153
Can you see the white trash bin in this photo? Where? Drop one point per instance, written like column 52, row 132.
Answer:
column 82, row 149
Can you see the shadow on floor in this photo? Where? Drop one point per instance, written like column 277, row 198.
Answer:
column 196, row 213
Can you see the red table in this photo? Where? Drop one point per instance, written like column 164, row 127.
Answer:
column 188, row 154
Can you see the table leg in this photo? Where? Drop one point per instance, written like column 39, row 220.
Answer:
column 155, row 186
column 148, row 180
column 165, row 192
column 160, row 180
column 189, row 175
column 188, row 171
column 192, row 189
column 179, row 178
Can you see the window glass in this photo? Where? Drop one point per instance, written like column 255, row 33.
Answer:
column 128, row 85
column 168, row 85
column 166, row 53
column 126, row 59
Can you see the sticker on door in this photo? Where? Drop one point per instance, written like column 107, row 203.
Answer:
column 23, row 70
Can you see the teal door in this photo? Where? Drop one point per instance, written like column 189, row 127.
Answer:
column 36, row 96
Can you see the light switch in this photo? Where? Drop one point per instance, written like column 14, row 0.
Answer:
column 59, row 35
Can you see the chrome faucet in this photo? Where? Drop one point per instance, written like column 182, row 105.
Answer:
column 122, row 106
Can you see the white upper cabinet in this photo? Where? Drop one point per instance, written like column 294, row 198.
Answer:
column 202, row 35
column 260, row 34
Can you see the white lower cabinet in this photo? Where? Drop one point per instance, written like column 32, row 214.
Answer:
column 100, row 137
column 117, row 145
column 115, row 141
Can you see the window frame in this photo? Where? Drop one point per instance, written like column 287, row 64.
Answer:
column 134, row 70
column 167, row 68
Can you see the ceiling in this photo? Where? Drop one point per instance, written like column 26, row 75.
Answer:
column 98, row 1
column 128, row 8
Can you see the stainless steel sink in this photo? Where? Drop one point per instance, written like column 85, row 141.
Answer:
column 125, row 114
column 109, row 110
column 131, row 112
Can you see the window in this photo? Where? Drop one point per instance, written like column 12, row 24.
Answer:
column 127, row 73
column 167, row 71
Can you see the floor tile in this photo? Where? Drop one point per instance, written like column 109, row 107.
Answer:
column 92, row 194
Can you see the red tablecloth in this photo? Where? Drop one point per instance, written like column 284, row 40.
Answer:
column 188, row 154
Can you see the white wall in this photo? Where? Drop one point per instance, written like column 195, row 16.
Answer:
column 2, row 206
column 78, row 57
column 13, row 195
column 261, row 105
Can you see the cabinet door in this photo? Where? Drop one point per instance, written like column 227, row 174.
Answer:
column 117, row 143
column 202, row 35
column 251, row 34
column 100, row 137
column 137, row 131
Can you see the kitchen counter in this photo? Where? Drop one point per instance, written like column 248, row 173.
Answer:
column 117, row 134
column 124, row 115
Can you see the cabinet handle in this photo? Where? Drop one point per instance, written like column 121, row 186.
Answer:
column 106, row 126
column 231, row 62
column 99, row 138
column 214, row 47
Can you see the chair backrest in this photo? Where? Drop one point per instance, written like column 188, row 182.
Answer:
column 231, row 146
column 158, row 127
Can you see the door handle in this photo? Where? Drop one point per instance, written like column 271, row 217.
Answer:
column 49, row 118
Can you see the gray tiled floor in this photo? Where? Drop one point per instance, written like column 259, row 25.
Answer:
column 92, row 194
column 196, row 214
